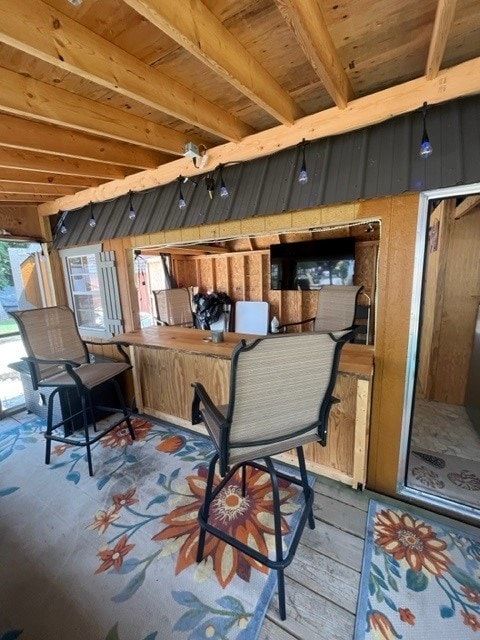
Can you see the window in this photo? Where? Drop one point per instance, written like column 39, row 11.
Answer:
column 85, row 292
column 92, row 289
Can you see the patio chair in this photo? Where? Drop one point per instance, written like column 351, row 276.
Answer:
column 173, row 307
column 336, row 309
column 60, row 364
column 280, row 397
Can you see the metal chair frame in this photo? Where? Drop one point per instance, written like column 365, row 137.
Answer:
column 78, row 376
column 227, row 471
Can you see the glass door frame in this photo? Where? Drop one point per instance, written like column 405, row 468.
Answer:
column 47, row 294
column 412, row 494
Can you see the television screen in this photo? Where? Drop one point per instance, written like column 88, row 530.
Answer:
column 312, row 264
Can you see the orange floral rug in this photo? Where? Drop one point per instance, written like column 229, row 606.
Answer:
column 112, row 557
column 420, row 578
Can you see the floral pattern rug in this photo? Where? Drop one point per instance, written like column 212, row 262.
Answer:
column 420, row 578
column 444, row 475
column 112, row 557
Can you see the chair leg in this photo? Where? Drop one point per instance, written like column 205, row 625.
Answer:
column 87, row 435
column 48, row 446
column 205, row 508
column 281, row 594
column 306, row 487
column 244, row 480
column 123, row 408
column 277, row 519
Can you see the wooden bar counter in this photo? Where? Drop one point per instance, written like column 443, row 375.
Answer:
column 166, row 360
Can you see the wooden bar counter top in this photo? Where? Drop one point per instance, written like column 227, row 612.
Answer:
column 166, row 360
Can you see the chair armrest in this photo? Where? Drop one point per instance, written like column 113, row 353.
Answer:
column 345, row 336
column 59, row 361
column 68, row 367
column 283, row 327
column 119, row 346
column 201, row 395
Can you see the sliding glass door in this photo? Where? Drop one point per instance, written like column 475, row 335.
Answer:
column 22, row 286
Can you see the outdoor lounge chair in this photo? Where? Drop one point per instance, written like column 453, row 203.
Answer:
column 280, row 396
column 60, row 363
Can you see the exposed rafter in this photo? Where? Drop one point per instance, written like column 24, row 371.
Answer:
column 438, row 42
column 29, row 135
column 466, row 206
column 37, row 189
column 24, row 160
column 198, row 30
column 306, row 20
column 22, row 199
column 27, row 97
column 60, row 41
column 39, row 177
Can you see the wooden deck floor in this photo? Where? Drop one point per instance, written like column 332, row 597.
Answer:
column 323, row 580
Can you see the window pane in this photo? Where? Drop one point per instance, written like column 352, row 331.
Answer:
column 84, row 286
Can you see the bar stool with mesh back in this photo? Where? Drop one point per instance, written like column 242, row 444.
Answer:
column 336, row 309
column 58, row 359
column 280, row 397
column 173, row 307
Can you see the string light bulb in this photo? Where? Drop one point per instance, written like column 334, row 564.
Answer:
column 426, row 148
column 181, row 200
column 303, row 175
column 132, row 214
column 92, row 222
column 63, row 228
column 223, row 188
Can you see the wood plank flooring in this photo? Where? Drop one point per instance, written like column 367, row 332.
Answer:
column 323, row 580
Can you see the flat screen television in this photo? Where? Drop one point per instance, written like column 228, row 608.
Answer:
column 312, row 264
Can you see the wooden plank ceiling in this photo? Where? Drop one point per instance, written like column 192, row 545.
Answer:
column 100, row 91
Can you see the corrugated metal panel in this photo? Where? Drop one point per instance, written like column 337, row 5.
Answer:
column 377, row 161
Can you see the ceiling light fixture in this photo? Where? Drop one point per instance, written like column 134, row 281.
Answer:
column 426, row 148
column 303, row 175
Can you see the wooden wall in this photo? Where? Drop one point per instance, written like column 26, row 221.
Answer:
column 398, row 216
column 451, row 298
column 246, row 276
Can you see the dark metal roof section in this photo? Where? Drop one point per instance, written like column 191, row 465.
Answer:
column 377, row 161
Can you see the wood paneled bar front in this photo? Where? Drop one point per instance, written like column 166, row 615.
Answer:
column 166, row 360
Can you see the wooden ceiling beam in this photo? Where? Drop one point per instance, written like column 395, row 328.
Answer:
column 441, row 30
column 195, row 28
column 305, row 19
column 29, row 135
column 39, row 177
column 16, row 159
column 460, row 80
column 30, row 98
column 24, row 198
column 194, row 249
column 64, row 43
column 37, row 189
column 466, row 206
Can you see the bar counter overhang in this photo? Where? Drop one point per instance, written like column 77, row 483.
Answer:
column 166, row 360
